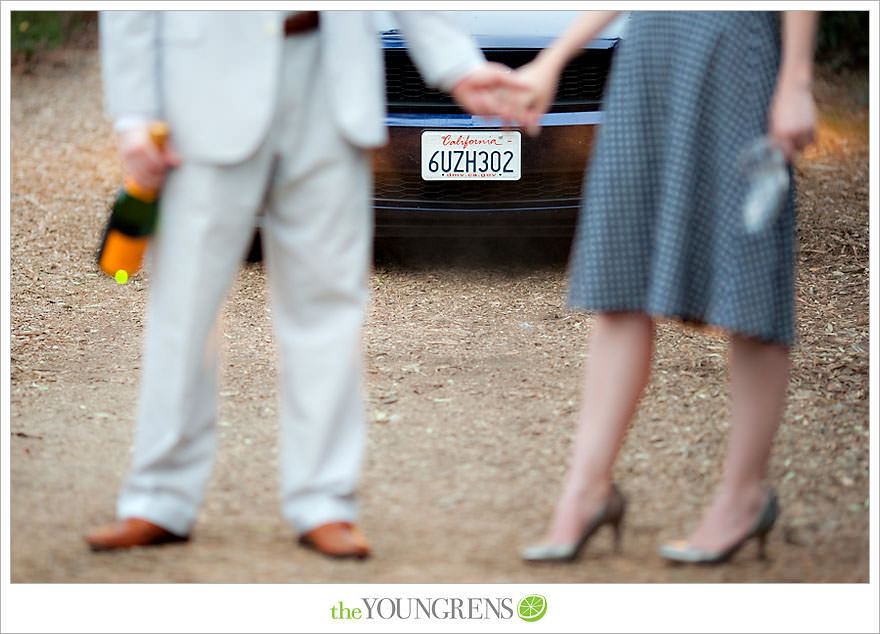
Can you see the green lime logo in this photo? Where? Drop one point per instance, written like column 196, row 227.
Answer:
column 532, row 608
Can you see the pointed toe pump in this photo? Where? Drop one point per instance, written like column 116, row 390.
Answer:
column 611, row 513
column 681, row 552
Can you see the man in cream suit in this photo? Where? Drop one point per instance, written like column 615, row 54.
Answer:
column 262, row 106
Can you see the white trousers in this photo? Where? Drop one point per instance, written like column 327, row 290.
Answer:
column 316, row 235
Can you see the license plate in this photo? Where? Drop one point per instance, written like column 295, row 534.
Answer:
column 484, row 155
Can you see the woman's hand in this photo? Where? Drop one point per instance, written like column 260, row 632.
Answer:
column 792, row 118
column 541, row 79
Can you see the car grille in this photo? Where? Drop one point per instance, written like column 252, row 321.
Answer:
column 580, row 87
column 558, row 187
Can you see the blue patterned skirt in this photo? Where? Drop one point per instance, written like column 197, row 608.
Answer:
column 660, row 230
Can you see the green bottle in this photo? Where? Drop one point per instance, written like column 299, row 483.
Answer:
column 132, row 221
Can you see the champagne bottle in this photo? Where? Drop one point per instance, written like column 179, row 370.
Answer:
column 131, row 223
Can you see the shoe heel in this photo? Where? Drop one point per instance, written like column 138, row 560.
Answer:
column 617, row 521
column 618, row 534
column 766, row 523
column 762, row 546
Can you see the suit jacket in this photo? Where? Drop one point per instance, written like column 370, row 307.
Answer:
column 213, row 75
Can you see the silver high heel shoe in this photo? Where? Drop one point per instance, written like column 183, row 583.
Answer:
column 680, row 552
column 611, row 513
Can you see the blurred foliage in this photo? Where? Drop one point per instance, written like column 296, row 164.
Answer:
column 33, row 32
column 842, row 40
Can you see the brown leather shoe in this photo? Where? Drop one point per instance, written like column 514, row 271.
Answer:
column 131, row 532
column 337, row 539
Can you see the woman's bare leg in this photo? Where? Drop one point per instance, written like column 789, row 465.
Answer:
column 758, row 379
column 615, row 374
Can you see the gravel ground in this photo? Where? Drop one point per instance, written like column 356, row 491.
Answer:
column 473, row 365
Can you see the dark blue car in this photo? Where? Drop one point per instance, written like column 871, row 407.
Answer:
column 445, row 172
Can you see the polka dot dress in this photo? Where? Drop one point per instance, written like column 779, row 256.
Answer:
column 661, row 227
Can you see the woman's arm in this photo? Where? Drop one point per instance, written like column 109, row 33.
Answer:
column 542, row 73
column 792, row 116
column 586, row 27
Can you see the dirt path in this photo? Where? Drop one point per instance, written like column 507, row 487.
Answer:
column 472, row 378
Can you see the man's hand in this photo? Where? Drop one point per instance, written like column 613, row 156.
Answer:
column 486, row 91
column 142, row 160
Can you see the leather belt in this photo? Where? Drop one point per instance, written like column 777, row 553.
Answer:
column 300, row 22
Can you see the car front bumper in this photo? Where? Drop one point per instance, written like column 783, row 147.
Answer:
column 543, row 202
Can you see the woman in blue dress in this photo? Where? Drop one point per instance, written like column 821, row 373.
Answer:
column 661, row 236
